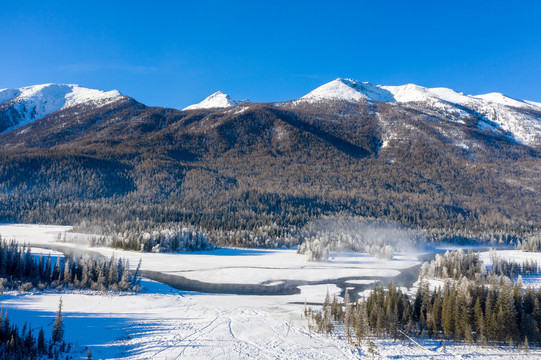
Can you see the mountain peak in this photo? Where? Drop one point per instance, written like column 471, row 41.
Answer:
column 499, row 98
column 493, row 108
column 348, row 90
column 30, row 103
column 216, row 100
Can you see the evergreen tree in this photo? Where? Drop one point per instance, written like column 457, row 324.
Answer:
column 448, row 314
column 136, row 275
column 347, row 315
column 479, row 320
column 67, row 272
column 58, row 326
column 490, row 317
column 125, row 280
column 48, row 270
column 56, row 270
column 42, row 348
column 113, row 270
column 463, row 311
column 506, row 316
column 361, row 323
column 85, row 277
column 101, row 278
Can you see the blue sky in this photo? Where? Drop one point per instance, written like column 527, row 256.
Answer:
column 175, row 53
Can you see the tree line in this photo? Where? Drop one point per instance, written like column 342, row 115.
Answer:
column 22, row 343
column 460, row 311
column 376, row 237
column 458, row 264
column 531, row 243
column 473, row 305
column 20, row 270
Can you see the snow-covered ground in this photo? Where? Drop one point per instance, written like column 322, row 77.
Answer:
column 518, row 256
column 511, row 255
column 164, row 323
column 232, row 266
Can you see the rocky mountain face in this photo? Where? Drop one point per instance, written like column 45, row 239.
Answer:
column 432, row 158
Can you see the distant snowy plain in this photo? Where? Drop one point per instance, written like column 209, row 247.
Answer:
column 165, row 323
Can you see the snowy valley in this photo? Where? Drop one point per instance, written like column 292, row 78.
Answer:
column 161, row 322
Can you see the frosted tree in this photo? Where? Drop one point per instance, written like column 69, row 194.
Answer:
column 348, row 317
column 67, row 272
column 135, row 279
column 125, row 280
column 85, row 277
column 113, row 271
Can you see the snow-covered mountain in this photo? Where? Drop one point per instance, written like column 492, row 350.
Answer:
column 348, row 90
column 21, row 106
column 496, row 112
column 215, row 101
column 492, row 113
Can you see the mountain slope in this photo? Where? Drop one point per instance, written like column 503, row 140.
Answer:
column 255, row 176
column 84, row 120
column 496, row 112
column 21, row 106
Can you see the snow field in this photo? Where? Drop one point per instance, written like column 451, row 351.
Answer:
column 235, row 266
column 170, row 324
column 164, row 323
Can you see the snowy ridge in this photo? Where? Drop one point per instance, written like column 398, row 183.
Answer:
column 216, row 100
column 501, row 99
column 348, row 90
column 8, row 94
column 494, row 113
column 353, row 90
column 497, row 112
column 31, row 103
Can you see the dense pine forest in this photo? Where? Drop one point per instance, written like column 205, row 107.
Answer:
column 22, row 271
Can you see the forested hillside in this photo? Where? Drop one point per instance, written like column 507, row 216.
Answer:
column 257, row 174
